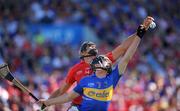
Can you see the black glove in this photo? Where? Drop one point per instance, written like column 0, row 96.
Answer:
column 141, row 31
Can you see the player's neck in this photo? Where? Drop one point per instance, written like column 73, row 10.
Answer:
column 101, row 74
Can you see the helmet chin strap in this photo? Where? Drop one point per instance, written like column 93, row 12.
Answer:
column 86, row 56
column 97, row 68
column 92, row 52
column 107, row 70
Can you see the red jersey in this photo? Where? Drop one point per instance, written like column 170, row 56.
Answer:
column 80, row 70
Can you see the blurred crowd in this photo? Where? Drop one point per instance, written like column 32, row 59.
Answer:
column 151, row 82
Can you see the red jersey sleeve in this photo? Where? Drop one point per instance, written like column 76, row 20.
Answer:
column 110, row 56
column 70, row 79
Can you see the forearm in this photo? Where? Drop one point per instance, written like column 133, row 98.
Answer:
column 126, row 43
column 129, row 53
column 55, row 94
column 141, row 30
column 64, row 87
column 61, row 99
column 58, row 100
column 122, row 48
column 132, row 49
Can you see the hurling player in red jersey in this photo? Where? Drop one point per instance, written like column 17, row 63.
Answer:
column 87, row 53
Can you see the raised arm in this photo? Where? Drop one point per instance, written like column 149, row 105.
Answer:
column 120, row 50
column 132, row 48
column 60, row 99
column 128, row 55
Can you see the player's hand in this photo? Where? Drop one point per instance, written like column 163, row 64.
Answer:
column 147, row 21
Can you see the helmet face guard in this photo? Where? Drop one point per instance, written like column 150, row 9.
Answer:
column 104, row 64
column 88, row 49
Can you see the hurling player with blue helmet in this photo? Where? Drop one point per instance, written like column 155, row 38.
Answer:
column 97, row 89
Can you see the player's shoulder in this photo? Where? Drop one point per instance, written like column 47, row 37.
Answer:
column 78, row 65
column 75, row 66
column 115, row 71
column 87, row 78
